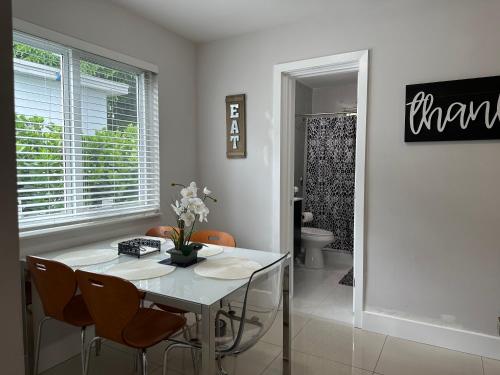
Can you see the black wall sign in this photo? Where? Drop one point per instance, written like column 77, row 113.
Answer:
column 460, row 110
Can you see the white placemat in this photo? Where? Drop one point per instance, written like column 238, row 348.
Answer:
column 210, row 250
column 115, row 243
column 141, row 269
column 81, row 258
column 230, row 268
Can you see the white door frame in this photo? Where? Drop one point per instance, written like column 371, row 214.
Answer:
column 283, row 166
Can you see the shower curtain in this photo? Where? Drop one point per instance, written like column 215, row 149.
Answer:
column 329, row 174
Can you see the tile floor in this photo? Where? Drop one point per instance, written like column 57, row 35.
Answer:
column 318, row 293
column 319, row 346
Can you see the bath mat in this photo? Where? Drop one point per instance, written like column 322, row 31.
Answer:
column 348, row 278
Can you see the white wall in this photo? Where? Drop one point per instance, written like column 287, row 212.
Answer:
column 335, row 98
column 432, row 209
column 303, row 104
column 11, row 345
column 114, row 28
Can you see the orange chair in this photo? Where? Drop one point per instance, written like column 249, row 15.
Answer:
column 114, row 304
column 56, row 285
column 160, row 231
column 214, row 237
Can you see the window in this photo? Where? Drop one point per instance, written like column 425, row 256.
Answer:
column 86, row 136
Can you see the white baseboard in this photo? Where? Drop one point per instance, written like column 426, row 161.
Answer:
column 433, row 334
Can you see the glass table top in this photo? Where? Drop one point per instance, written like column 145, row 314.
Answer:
column 183, row 283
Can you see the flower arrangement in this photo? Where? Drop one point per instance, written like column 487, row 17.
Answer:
column 187, row 211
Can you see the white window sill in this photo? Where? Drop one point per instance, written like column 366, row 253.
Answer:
column 34, row 233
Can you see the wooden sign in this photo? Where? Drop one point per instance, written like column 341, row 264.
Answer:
column 236, row 139
column 467, row 109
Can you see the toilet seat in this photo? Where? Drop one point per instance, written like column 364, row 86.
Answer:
column 316, row 232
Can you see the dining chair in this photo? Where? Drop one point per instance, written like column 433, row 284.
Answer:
column 57, row 286
column 214, row 237
column 249, row 316
column 115, row 306
column 160, row 231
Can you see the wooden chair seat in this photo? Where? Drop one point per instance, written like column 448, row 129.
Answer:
column 76, row 312
column 149, row 327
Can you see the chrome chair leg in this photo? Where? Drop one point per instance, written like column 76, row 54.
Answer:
column 220, row 369
column 37, row 344
column 173, row 346
column 87, row 353
column 144, row 363
column 98, row 346
column 82, row 349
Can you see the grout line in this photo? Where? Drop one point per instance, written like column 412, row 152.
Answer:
column 380, row 354
column 308, row 319
column 332, row 360
column 280, row 353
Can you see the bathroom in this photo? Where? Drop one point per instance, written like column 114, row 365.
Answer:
column 324, row 169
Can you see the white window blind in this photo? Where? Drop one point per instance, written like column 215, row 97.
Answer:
column 86, row 136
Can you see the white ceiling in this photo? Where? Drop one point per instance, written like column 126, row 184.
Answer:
column 207, row 20
column 330, row 80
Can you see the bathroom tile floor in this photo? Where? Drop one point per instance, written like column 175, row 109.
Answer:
column 323, row 343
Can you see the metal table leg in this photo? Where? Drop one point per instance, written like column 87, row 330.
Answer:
column 286, row 322
column 208, row 339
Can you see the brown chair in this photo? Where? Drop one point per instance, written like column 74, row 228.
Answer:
column 114, row 304
column 56, row 285
column 160, row 231
column 214, row 237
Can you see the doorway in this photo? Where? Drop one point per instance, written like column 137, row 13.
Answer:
column 285, row 82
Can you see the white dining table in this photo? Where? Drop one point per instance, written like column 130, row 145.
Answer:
column 184, row 289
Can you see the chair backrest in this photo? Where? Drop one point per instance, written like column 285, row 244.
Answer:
column 55, row 283
column 252, row 313
column 160, row 231
column 112, row 302
column 214, row 237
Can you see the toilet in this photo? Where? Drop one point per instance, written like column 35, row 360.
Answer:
column 313, row 242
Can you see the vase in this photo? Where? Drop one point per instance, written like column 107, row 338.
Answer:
column 179, row 258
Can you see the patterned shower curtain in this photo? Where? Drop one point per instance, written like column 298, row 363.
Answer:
column 329, row 176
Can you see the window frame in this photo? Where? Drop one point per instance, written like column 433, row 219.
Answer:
column 72, row 53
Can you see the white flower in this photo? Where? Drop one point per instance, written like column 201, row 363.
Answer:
column 203, row 214
column 190, row 206
column 188, row 218
column 201, row 209
column 191, row 191
column 177, row 208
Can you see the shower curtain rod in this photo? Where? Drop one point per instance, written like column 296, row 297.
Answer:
column 326, row 114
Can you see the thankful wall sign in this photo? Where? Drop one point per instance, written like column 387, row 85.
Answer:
column 467, row 109
column 236, row 140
